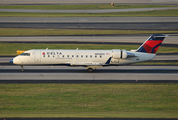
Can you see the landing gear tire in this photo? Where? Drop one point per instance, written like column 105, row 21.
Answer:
column 22, row 68
column 90, row 70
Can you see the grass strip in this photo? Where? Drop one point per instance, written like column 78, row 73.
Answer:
column 44, row 32
column 162, row 13
column 11, row 48
column 89, row 100
column 80, row 7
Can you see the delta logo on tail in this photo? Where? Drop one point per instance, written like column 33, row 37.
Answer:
column 152, row 44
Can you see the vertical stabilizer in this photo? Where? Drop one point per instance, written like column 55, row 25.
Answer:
column 152, row 44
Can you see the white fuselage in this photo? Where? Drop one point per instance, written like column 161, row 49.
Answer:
column 80, row 57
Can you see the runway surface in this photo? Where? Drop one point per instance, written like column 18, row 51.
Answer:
column 88, row 1
column 134, row 73
column 86, row 11
column 117, row 23
column 172, row 40
column 106, row 26
column 86, row 19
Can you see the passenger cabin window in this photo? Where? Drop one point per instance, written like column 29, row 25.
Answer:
column 90, row 56
column 86, row 56
column 95, row 56
column 81, row 56
column 67, row 55
column 72, row 55
column 25, row 54
column 62, row 55
column 100, row 56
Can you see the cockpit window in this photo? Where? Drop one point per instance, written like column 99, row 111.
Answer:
column 25, row 54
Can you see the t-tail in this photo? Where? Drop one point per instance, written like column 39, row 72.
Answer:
column 152, row 44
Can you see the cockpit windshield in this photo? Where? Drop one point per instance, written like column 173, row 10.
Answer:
column 25, row 54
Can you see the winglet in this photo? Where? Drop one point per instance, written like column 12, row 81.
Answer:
column 108, row 61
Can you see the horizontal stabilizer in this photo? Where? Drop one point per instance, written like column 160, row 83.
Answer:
column 161, row 36
column 130, row 54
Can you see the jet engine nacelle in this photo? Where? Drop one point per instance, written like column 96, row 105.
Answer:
column 119, row 54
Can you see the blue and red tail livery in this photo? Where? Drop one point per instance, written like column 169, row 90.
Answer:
column 152, row 44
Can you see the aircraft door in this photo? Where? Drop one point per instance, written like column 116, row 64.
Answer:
column 37, row 56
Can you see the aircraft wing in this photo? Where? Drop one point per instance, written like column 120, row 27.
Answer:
column 91, row 63
column 87, row 64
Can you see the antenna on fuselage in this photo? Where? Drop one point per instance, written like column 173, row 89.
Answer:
column 77, row 48
column 46, row 48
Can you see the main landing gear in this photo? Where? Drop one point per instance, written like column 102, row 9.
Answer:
column 22, row 68
column 90, row 70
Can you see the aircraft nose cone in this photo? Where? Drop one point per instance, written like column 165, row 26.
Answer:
column 11, row 61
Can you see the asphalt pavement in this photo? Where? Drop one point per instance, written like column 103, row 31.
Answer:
column 80, row 73
column 100, row 26
column 168, row 2
column 87, row 19
column 112, row 23
column 170, row 41
column 86, row 11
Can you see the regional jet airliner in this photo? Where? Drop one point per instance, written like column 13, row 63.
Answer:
column 91, row 59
